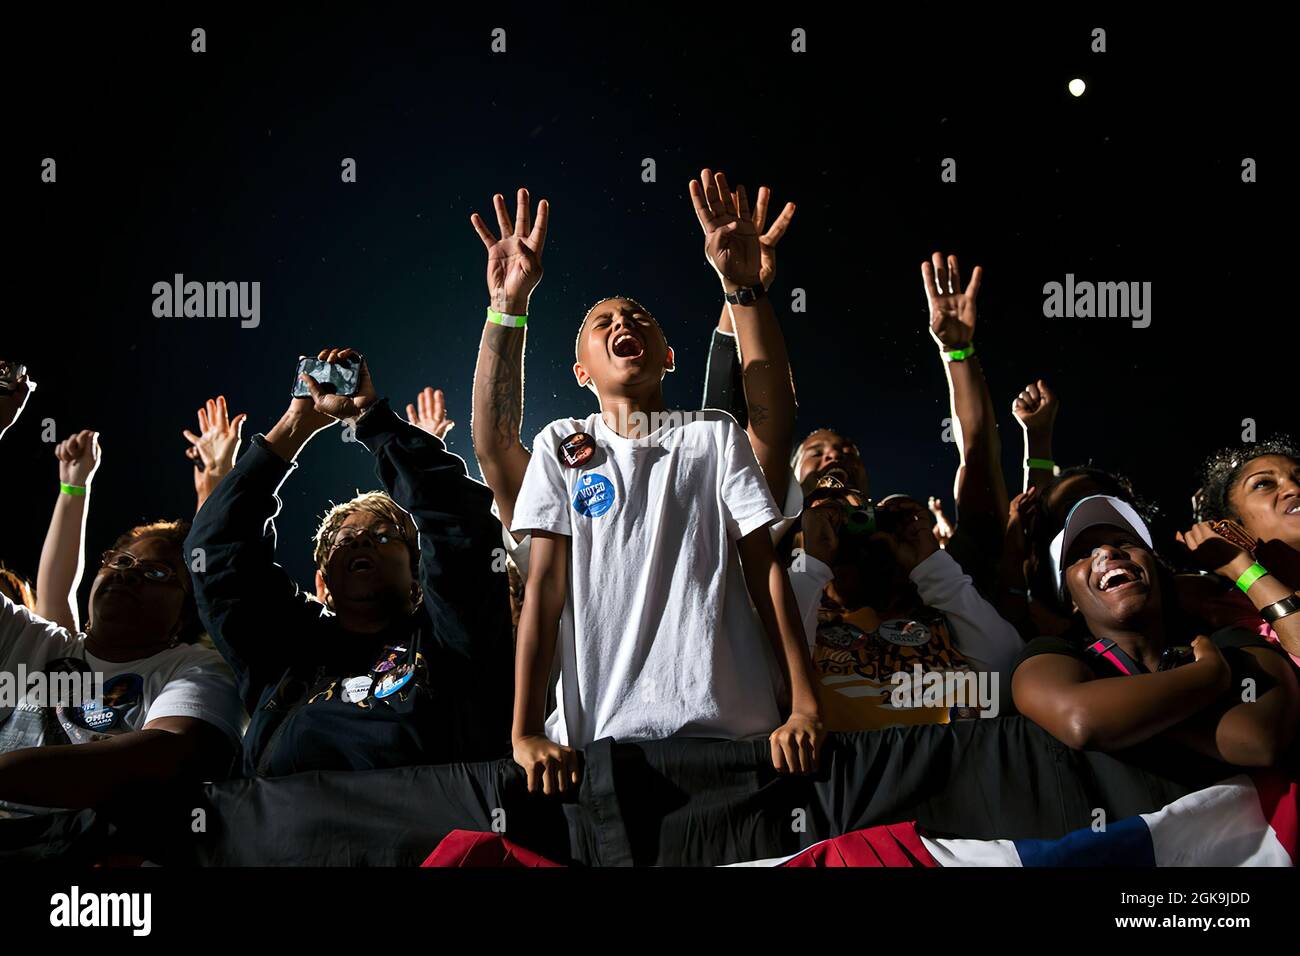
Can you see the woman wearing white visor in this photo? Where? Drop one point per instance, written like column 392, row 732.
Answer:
column 1123, row 673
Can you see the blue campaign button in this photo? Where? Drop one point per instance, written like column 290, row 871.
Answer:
column 595, row 495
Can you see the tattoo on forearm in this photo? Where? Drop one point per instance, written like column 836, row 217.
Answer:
column 757, row 414
column 503, row 370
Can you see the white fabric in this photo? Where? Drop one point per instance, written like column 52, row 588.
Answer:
column 808, row 579
column 181, row 681
column 980, row 633
column 973, row 852
column 791, row 509
column 658, row 637
column 1222, row 825
column 517, row 551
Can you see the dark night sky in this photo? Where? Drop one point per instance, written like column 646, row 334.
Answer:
column 225, row 166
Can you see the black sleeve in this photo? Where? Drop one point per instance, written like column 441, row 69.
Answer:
column 1231, row 637
column 464, row 594
column 724, row 383
column 976, row 545
column 1233, row 643
column 254, row 611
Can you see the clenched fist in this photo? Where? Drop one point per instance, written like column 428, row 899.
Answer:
column 78, row 458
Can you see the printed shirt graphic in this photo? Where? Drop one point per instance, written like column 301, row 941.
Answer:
column 393, row 680
column 182, row 681
column 658, row 637
column 857, row 654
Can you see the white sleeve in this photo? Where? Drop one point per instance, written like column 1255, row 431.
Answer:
column 747, row 502
column 808, row 583
column 982, row 635
column 205, row 690
column 543, row 500
column 22, row 633
column 517, row 551
column 790, row 510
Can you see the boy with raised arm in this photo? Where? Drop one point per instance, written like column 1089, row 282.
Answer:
column 650, row 540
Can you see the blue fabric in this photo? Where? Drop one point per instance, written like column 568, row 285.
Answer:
column 1126, row 843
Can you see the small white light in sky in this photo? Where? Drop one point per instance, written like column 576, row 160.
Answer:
column 1077, row 86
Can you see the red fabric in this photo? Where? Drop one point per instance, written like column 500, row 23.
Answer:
column 897, row 844
column 468, row 848
column 1279, row 795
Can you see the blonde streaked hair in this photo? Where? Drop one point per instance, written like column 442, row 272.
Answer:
column 380, row 505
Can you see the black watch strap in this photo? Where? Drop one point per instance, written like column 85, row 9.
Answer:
column 746, row 294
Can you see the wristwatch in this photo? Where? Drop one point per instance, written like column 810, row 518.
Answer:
column 746, row 294
column 1280, row 609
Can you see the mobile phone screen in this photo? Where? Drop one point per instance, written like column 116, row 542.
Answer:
column 341, row 378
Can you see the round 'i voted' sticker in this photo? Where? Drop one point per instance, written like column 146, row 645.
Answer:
column 576, row 450
column 595, row 495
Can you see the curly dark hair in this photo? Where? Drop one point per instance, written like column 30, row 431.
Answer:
column 1115, row 484
column 1222, row 469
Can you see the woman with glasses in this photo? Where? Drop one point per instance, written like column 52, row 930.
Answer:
column 404, row 655
column 130, row 701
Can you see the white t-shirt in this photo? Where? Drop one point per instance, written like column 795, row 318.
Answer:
column 981, row 635
column 658, row 637
column 181, row 681
column 517, row 551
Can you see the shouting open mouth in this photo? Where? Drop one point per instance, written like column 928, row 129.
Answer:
column 627, row 345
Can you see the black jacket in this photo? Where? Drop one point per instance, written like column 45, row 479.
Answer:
column 315, row 692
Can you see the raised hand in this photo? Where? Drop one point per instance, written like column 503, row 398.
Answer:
column 767, row 240
column 344, row 408
column 214, row 448
column 913, row 542
column 943, row 529
column 1018, row 539
column 431, row 415
column 952, row 311
column 820, row 525
column 1035, row 407
column 514, row 266
column 1225, row 549
column 15, row 388
column 731, row 239
column 78, row 457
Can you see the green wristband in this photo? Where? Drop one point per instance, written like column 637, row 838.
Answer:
column 958, row 355
column 1250, row 576
column 1045, row 464
column 77, row 491
column 510, row 321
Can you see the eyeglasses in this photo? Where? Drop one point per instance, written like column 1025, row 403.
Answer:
column 151, row 570
column 350, row 537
